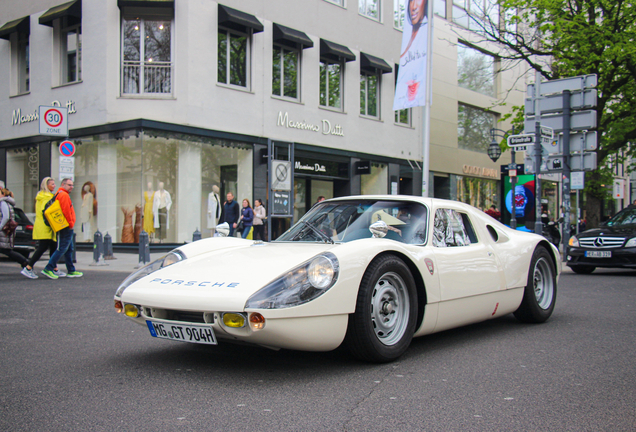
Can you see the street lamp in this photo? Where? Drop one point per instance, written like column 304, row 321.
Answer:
column 494, row 152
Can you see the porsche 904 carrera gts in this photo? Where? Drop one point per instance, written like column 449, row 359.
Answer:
column 367, row 272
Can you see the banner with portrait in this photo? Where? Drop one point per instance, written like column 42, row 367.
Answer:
column 410, row 88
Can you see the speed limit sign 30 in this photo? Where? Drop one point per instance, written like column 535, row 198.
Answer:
column 53, row 121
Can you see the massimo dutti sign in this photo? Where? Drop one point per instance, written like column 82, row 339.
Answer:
column 18, row 117
column 323, row 126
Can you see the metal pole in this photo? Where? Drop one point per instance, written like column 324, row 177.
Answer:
column 513, row 184
column 538, row 225
column 566, row 168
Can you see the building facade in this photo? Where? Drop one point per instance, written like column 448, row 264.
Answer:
column 172, row 104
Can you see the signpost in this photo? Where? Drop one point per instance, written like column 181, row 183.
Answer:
column 53, row 121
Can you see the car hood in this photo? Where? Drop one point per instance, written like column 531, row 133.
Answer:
column 623, row 231
column 222, row 278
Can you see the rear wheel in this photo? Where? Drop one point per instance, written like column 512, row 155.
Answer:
column 383, row 324
column 539, row 295
column 583, row 269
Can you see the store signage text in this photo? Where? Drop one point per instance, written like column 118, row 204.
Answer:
column 34, row 163
column 17, row 118
column 485, row 172
column 325, row 126
column 315, row 167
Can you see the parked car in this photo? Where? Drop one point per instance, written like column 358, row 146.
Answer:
column 369, row 272
column 24, row 243
column 613, row 244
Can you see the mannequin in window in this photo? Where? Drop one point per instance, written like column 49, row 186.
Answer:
column 161, row 208
column 149, row 196
column 86, row 212
column 214, row 208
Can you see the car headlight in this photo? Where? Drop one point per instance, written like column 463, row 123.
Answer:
column 631, row 242
column 172, row 257
column 304, row 283
column 574, row 241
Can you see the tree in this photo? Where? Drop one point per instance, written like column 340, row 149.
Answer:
column 564, row 38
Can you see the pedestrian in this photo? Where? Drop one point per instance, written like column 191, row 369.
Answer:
column 321, row 198
column 247, row 216
column 494, row 213
column 41, row 231
column 65, row 235
column 259, row 216
column 231, row 212
column 6, row 238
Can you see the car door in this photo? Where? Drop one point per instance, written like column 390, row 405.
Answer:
column 466, row 267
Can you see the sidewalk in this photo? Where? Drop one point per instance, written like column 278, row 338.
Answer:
column 123, row 262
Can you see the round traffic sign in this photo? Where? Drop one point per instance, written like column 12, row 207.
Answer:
column 53, row 117
column 67, row 148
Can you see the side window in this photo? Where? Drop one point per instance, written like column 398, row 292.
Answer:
column 452, row 228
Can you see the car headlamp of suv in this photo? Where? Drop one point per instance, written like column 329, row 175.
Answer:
column 631, row 242
column 172, row 257
column 574, row 241
column 303, row 284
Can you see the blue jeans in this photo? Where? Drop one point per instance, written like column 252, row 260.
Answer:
column 246, row 231
column 64, row 247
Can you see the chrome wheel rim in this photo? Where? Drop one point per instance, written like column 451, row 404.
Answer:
column 390, row 308
column 543, row 283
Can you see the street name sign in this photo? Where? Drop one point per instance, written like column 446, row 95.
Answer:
column 547, row 132
column 53, row 121
column 520, row 140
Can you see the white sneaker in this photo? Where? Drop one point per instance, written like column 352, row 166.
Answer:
column 29, row 273
column 59, row 273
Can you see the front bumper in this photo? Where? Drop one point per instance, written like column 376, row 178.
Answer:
column 621, row 258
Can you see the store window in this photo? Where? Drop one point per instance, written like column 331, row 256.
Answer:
column 474, row 14
column 475, row 70
column 17, row 33
column 478, row 192
column 473, row 128
column 285, row 73
column 370, row 8
column 233, row 52
column 370, row 94
column 22, row 177
column 167, row 184
column 146, row 64
column 332, row 63
column 377, row 182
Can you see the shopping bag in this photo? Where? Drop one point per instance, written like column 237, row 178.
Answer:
column 46, row 206
column 53, row 214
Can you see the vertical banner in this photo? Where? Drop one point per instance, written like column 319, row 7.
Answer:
column 412, row 82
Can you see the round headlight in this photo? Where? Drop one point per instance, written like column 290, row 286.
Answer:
column 321, row 272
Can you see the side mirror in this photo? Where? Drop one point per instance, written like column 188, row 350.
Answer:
column 223, row 229
column 379, row 229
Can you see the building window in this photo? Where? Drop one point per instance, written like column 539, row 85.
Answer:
column 473, row 128
column 473, row 14
column 146, row 56
column 338, row 2
column 17, row 33
column 439, row 8
column 331, row 78
column 475, row 70
column 403, row 116
column 285, row 73
column 23, row 61
column 233, row 58
column 370, row 8
column 398, row 14
column 70, row 53
column 369, row 94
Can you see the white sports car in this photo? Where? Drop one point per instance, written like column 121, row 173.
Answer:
column 370, row 272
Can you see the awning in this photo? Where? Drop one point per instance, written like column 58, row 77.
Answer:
column 238, row 20
column 145, row 3
column 288, row 36
column 22, row 25
column 72, row 10
column 336, row 52
column 372, row 64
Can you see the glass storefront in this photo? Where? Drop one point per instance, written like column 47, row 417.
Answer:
column 169, row 184
column 23, row 166
column 478, row 192
column 377, row 182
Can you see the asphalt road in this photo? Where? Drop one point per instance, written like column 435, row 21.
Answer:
column 70, row 363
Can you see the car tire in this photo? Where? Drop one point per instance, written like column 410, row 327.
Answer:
column 539, row 296
column 583, row 269
column 384, row 321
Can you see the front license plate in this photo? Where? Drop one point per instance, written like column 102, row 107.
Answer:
column 598, row 254
column 201, row 334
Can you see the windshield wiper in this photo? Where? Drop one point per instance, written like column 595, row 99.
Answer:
column 321, row 234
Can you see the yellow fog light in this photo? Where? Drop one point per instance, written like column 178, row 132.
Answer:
column 131, row 311
column 257, row 321
column 234, row 320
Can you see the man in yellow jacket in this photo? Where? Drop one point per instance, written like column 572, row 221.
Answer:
column 64, row 236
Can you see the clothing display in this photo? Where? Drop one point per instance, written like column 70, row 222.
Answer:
column 86, row 213
column 160, row 208
column 149, row 225
column 214, row 209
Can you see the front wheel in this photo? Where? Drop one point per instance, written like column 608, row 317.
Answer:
column 539, row 295
column 383, row 324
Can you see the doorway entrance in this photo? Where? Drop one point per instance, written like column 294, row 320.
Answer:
column 306, row 193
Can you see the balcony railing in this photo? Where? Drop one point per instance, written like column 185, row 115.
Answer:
column 153, row 78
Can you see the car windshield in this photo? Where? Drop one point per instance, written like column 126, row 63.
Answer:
column 345, row 221
column 625, row 217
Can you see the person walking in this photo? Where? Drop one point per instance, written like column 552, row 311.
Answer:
column 259, row 215
column 247, row 216
column 41, row 231
column 231, row 212
column 65, row 235
column 6, row 239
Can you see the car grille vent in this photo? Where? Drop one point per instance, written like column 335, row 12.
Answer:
column 602, row 242
column 178, row 315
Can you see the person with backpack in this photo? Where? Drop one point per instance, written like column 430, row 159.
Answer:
column 7, row 227
column 41, row 231
column 65, row 235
